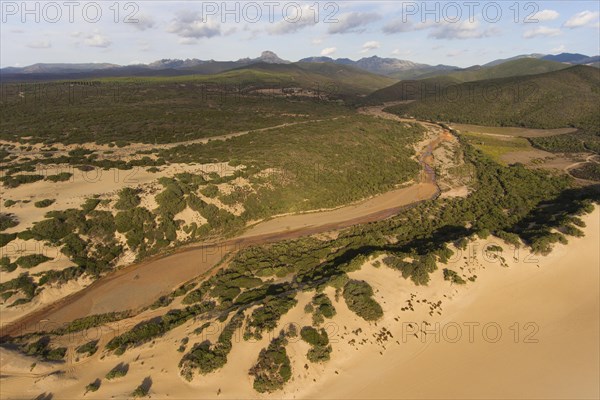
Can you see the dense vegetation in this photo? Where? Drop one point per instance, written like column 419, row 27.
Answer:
column 358, row 296
column 589, row 171
column 320, row 307
column 569, row 98
column 41, row 348
column 7, row 221
column 273, row 368
column 124, row 112
column 308, row 169
column 569, row 143
column 320, row 350
column 151, row 329
column 207, row 357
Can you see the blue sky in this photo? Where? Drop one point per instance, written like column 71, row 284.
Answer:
column 461, row 33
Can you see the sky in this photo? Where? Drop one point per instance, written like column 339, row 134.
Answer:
column 460, row 33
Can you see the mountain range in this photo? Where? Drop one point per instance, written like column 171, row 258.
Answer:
column 390, row 67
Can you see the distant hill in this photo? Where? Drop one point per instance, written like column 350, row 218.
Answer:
column 572, row 58
column 409, row 90
column 415, row 89
column 163, row 67
column 564, row 98
column 332, row 79
column 518, row 67
column 503, row 60
column 393, row 67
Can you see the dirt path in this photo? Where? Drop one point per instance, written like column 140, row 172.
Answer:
column 139, row 285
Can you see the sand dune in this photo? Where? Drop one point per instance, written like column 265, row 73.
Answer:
column 554, row 300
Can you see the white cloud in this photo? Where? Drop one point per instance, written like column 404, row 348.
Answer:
column 543, row 31
column 41, row 44
column 455, row 53
column 368, row 46
column 559, row 49
column 188, row 41
column 307, row 18
column 97, row 40
column 328, row 51
column 461, row 30
column 398, row 25
column 545, row 15
column 144, row 45
column 144, row 21
column 402, row 53
column 582, row 19
column 190, row 25
column 75, row 34
column 353, row 22
column 316, row 41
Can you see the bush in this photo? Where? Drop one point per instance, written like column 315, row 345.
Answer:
column 156, row 327
column 267, row 316
column 128, row 199
column 31, row 260
column 6, row 238
column 273, row 368
column 210, row 191
column 90, row 348
column 321, row 308
column 358, row 298
column 207, row 357
column 13, row 181
column 90, row 205
column 93, row 387
column 118, row 372
column 41, row 348
column 91, row 321
column 452, row 276
column 7, row 221
column 314, row 337
column 143, row 389
column 6, row 265
column 9, row 203
column 61, row 177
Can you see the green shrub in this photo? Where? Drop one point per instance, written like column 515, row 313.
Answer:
column 90, row 348
column 8, row 221
column 13, row 181
column 90, row 205
column 273, row 368
column 6, row 265
column 93, row 387
column 9, row 203
column 207, row 357
column 210, row 191
column 450, row 275
column 6, row 238
column 117, row 372
column 267, row 316
column 128, row 199
column 31, row 260
column 358, row 298
column 61, row 177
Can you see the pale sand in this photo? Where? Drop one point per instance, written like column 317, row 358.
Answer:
column 393, row 199
column 561, row 298
column 84, row 185
column 562, row 364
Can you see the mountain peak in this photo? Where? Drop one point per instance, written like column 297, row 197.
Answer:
column 270, row 57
